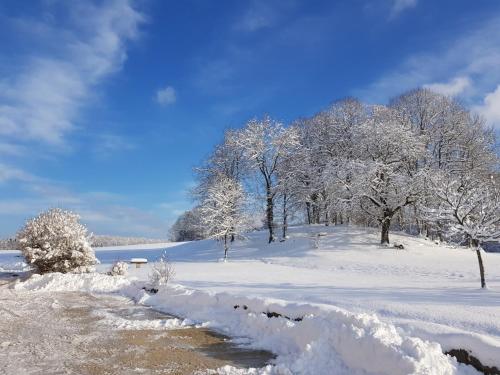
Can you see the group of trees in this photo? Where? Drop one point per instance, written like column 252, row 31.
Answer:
column 423, row 163
column 104, row 240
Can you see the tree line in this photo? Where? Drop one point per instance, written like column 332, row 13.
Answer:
column 424, row 163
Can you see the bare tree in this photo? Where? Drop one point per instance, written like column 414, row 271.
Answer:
column 470, row 206
column 265, row 143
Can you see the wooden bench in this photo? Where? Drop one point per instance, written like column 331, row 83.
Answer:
column 138, row 262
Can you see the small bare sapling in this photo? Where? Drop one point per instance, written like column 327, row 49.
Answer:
column 162, row 272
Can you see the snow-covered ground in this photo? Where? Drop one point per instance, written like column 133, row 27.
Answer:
column 424, row 292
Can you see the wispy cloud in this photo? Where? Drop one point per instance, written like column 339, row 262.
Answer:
column 259, row 15
column 108, row 144
column 399, row 6
column 103, row 212
column 451, row 88
column 490, row 107
column 166, row 96
column 9, row 173
column 42, row 101
column 74, row 48
column 468, row 66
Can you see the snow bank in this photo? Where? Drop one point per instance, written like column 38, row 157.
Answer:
column 85, row 282
column 485, row 348
column 307, row 339
column 15, row 266
column 324, row 341
column 119, row 322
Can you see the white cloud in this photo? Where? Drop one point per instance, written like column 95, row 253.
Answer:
column 109, row 144
column 490, row 108
column 258, row 15
column 451, row 88
column 42, row 101
column 104, row 212
column 166, row 96
column 399, row 6
column 9, row 173
column 473, row 54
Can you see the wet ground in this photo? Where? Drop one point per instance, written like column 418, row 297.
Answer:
column 74, row 333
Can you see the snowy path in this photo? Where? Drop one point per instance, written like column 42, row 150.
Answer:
column 81, row 333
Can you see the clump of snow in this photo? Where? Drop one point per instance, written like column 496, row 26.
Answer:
column 89, row 282
column 14, row 266
column 119, row 322
column 119, row 269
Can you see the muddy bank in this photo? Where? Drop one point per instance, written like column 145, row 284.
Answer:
column 62, row 332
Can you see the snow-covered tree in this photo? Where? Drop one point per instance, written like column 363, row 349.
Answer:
column 384, row 180
column 226, row 159
column 222, row 211
column 327, row 141
column 470, row 206
column 456, row 141
column 265, row 144
column 355, row 163
column 55, row 241
column 187, row 227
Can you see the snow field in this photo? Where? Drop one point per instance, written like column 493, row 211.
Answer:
column 365, row 309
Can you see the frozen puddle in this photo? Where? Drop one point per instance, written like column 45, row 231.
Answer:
column 185, row 335
column 80, row 333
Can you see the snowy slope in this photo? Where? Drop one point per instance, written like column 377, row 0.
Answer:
column 426, row 291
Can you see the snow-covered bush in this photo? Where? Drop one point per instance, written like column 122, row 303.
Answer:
column 162, row 272
column 55, row 241
column 119, row 269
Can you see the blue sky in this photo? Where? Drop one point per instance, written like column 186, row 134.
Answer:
column 106, row 106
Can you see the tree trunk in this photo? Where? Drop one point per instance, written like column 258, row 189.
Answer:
column 285, row 217
column 270, row 213
column 225, row 247
column 417, row 223
column 386, row 224
column 475, row 243
column 308, row 211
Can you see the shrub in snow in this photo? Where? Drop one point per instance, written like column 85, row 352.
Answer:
column 119, row 269
column 55, row 241
column 162, row 272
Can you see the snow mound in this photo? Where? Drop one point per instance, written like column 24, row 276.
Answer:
column 86, row 282
column 117, row 322
column 14, row 266
column 310, row 339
